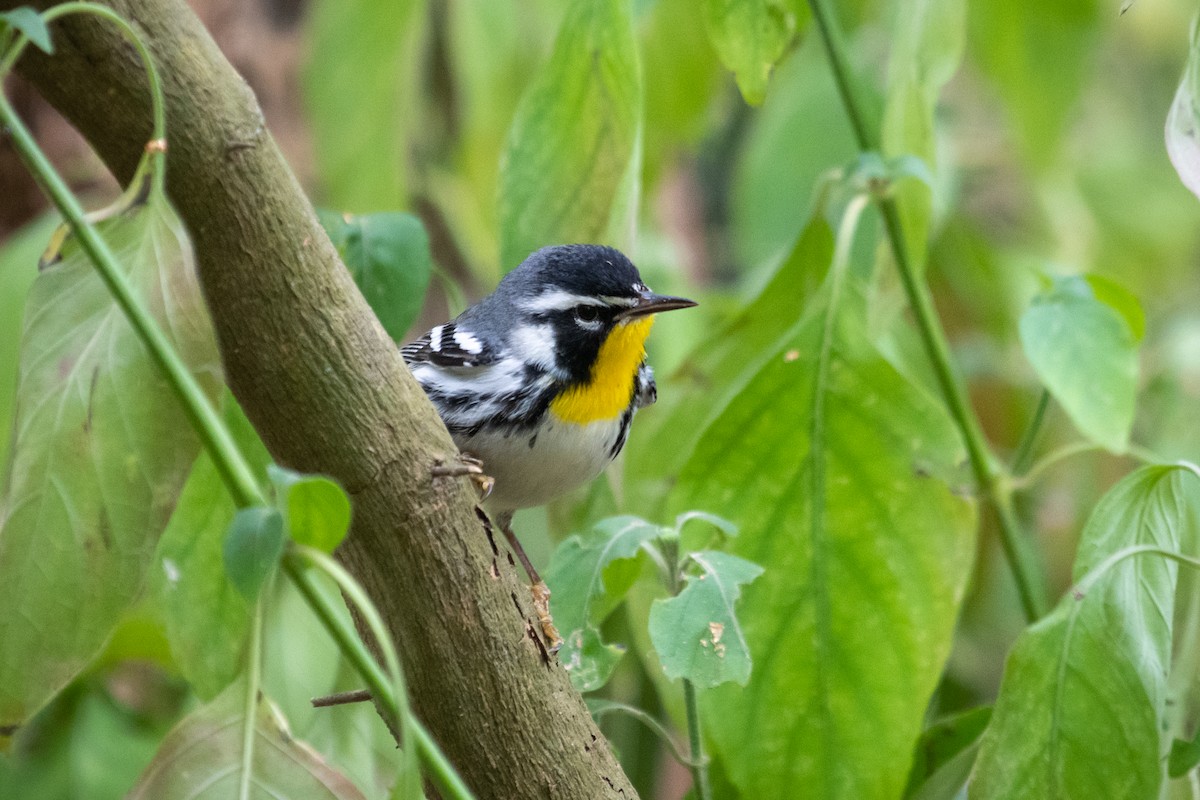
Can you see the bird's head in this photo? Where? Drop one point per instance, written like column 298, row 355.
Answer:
column 584, row 309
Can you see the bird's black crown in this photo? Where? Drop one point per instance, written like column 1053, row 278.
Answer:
column 584, row 269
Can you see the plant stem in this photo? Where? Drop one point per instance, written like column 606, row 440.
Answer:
column 440, row 772
column 1024, row 456
column 253, row 670
column 697, row 761
column 933, row 338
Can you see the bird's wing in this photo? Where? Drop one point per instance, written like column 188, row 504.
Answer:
column 448, row 346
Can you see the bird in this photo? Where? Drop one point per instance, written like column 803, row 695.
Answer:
column 539, row 382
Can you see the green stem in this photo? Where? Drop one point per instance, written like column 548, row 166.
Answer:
column 1024, row 456
column 235, row 472
column 697, row 761
column 933, row 338
column 254, row 669
column 440, row 772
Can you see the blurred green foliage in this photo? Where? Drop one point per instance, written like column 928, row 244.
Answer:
column 709, row 140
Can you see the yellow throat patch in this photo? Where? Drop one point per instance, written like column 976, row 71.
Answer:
column 608, row 391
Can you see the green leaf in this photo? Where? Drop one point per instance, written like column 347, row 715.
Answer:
column 751, row 36
column 571, row 167
column 206, row 618
column 696, row 633
column 926, row 51
column 803, row 106
column 100, row 450
column 1081, row 707
column 1184, row 756
column 201, row 759
column 18, row 268
column 1183, row 120
column 945, row 754
column 1036, row 54
column 586, row 585
column 253, row 547
column 316, row 510
column 362, row 91
column 29, row 22
column 851, row 623
column 1085, row 353
column 388, row 255
column 720, row 367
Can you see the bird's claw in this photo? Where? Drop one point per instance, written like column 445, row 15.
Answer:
column 471, row 467
column 541, row 607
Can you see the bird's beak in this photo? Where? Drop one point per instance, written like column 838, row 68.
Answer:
column 651, row 303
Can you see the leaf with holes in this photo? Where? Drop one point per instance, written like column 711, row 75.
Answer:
column 696, row 633
column 100, row 447
column 589, row 576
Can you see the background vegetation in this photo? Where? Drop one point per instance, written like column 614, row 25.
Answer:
column 1023, row 145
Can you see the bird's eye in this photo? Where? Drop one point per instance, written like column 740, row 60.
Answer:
column 587, row 313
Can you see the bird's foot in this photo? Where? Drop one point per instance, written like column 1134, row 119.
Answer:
column 471, row 467
column 541, row 607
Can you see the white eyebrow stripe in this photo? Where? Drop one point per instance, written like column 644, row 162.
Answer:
column 435, row 338
column 558, row 300
column 468, row 342
column 613, row 300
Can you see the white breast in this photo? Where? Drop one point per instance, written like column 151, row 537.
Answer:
column 532, row 470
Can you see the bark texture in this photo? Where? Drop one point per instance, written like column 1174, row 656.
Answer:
column 329, row 393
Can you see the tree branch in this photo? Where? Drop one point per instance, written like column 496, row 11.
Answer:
column 328, row 392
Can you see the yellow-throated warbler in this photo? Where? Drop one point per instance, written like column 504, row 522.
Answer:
column 540, row 380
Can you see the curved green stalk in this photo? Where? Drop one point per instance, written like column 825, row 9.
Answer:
column 990, row 478
column 440, row 772
column 253, row 678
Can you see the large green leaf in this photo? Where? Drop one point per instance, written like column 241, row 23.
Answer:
column 205, row 618
column 1081, row 708
column 203, row 758
column 361, row 89
column 1084, row 349
column 719, row 368
column 100, row 450
column 866, row 551
column 571, row 167
column 750, row 36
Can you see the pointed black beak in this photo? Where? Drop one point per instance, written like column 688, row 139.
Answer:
column 651, row 303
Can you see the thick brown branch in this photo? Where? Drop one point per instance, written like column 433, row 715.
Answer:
column 329, row 393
